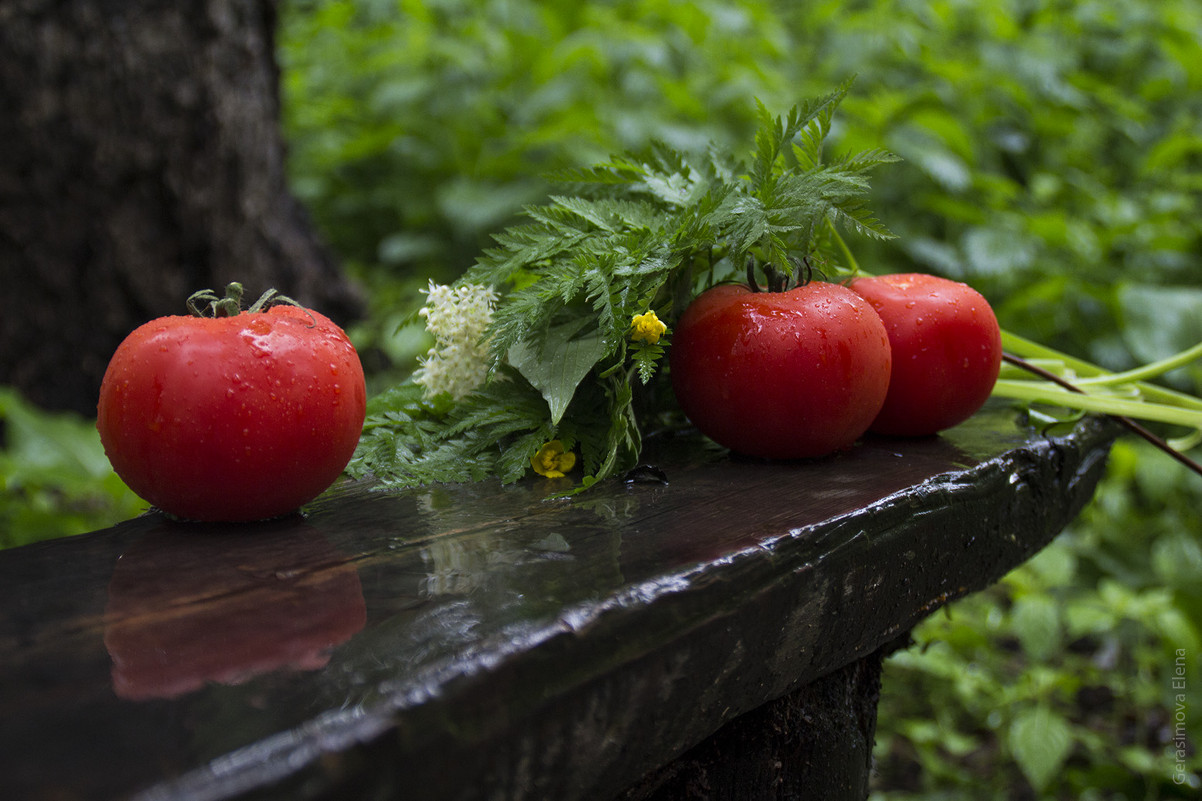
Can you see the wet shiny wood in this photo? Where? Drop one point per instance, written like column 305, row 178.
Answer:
column 482, row 641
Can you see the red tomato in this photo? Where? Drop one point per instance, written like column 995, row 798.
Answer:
column 232, row 418
column 947, row 351
column 780, row 375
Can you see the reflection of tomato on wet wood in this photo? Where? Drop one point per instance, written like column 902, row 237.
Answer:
column 239, row 417
column 190, row 604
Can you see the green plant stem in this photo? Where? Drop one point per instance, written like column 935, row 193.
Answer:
column 1096, row 376
column 843, row 248
column 1038, row 392
column 1077, row 396
column 1151, row 370
column 1087, row 371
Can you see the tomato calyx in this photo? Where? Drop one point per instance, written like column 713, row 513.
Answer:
column 779, row 280
column 231, row 304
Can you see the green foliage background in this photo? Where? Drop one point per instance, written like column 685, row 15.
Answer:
column 1052, row 158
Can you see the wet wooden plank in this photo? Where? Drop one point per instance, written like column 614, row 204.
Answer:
column 481, row 641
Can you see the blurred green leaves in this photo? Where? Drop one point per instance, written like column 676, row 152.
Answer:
column 1040, row 740
column 1060, row 676
column 419, row 128
column 56, row 479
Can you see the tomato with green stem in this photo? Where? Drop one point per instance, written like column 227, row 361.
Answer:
column 234, row 417
column 786, row 374
column 946, row 346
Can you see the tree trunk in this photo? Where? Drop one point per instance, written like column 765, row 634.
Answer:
column 141, row 160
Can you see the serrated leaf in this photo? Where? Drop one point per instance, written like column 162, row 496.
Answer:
column 558, row 362
column 862, row 222
column 1040, row 740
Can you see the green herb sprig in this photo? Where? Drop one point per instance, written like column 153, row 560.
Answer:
column 641, row 233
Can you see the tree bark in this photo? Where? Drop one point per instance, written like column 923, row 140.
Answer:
column 141, row 159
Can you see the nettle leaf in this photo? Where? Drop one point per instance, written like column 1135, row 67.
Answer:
column 1040, row 740
column 557, row 363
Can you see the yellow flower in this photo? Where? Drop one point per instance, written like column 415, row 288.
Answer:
column 647, row 328
column 552, row 461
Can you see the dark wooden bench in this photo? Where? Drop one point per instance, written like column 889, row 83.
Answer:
column 715, row 635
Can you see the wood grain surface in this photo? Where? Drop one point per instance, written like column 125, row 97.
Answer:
column 487, row 641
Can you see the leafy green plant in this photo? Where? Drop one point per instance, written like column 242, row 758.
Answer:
column 56, row 478
column 1045, row 153
column 417, row 130
column 639, row 236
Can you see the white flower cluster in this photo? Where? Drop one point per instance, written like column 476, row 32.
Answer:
column 457, row 318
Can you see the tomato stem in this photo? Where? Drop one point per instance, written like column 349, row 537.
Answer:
column 231, row 304
column 777, row 280
column 804, row 271
column 751, row 282
column 228, row 306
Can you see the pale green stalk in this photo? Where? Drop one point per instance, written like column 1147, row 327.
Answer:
column 1151, row 370
column 1090, row 375
column 1042, row 392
